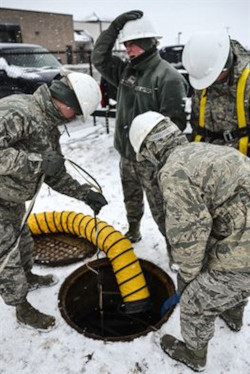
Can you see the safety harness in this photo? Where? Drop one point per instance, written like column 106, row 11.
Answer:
column 243, row 131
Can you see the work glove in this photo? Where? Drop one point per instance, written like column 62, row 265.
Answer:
column 121, row 20
column 52, row 163
column 181, row 284
column 96, row 201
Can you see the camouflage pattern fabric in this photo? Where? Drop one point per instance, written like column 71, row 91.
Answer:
column 13, row 283
column 136, row 177
column 28, row 127
column 206, row 192
column 205, row 298
column 220, row 110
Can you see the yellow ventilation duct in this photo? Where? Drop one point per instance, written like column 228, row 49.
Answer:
column 116, row 246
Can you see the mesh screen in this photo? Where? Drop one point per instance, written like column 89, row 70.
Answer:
column 61, row 249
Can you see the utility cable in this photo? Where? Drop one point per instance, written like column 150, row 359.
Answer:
column 77, row 167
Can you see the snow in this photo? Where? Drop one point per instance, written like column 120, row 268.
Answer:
column 83, row 36
column 14, row 71
column 94, row 17
column 64, row 350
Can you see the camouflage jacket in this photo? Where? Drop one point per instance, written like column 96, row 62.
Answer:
column 206, row 190
column 152, row 84
column 220, row 110
column 28, row 127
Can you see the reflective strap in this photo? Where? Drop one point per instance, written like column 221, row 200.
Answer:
column 202, row 113
column 241, row 115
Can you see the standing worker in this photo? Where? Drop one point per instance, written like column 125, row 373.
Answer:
column 30, row 150
column 206, row 191
column 145, row 82
column 219, row 71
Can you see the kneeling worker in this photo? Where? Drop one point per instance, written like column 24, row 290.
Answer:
column 206, row 191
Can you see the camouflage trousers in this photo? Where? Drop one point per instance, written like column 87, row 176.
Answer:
column 13, row 283
column 137, row 177
column 205, row 298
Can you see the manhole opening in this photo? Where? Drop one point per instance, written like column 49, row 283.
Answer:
column 79, row 301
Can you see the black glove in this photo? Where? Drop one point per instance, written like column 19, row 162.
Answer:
column 120, row 21
column 181, row 284
column 52, row 163
column 96, row 201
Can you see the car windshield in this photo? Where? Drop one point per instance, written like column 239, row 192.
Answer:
column 36, row 58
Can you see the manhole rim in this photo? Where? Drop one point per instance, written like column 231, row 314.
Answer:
column 67, row 283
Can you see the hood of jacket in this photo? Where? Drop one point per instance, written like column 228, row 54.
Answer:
column 52, row 115
column 161, row 141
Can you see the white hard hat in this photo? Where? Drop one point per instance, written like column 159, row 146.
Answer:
column 141, row 126
column 140, row 28
column 204, row 57
column 86, row 90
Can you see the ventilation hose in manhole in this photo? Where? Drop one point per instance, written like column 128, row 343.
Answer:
column 116, row 246
column 126, row 282
column 79, row 302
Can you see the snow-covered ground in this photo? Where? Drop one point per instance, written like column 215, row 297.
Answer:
column 64, row 350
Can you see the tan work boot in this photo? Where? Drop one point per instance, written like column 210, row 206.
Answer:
column 38, row 281
column 133, row 233
column 28, row 316
column 195, row 359
column 234, row 317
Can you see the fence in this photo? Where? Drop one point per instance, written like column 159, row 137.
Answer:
column 31, row 59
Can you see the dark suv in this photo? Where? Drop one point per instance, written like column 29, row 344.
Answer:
column 24, row 67
column 173, row 54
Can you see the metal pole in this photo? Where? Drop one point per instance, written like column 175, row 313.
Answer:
column 179, row 37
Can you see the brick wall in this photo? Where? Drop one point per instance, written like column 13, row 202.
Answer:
column 51, row 30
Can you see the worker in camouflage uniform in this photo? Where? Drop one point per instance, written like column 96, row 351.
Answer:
column 206, row 191
column 219, row 71
column 145, row 82
column 30, row 150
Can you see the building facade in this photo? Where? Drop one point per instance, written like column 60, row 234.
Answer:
column 54, row 31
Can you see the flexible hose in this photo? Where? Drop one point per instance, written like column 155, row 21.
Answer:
column 116, row 246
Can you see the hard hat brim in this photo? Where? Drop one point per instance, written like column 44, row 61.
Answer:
column 200, row 83
column 141, row 36
column 140, row 28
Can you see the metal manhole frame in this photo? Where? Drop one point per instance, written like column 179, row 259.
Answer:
column 158, row 272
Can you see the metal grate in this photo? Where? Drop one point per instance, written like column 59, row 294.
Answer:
column 61, row 249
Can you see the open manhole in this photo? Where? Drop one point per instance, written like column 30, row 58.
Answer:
column 79, row 300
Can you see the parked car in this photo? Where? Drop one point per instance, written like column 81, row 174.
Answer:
column 173, row 54
column 24, row 67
